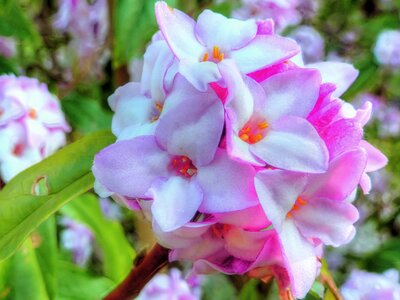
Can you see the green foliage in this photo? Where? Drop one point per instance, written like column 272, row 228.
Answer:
column 134, row 23
column 218, row 287
column 386, row 257
column 85, row 114
column 118, row 255
column 66, row 174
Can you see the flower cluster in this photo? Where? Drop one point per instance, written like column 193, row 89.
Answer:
column 387, row 48
column 32, row 125
column 244, row 159
column 363, row 285
column 172, row 286
column 87, row 24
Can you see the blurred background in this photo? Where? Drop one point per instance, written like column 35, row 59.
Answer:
column 84, row 49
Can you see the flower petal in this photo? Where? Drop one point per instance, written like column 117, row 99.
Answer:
column 200, row 74
column 300, row 259
column 277, row 192
column 227, row 185
column 176, row 201
column 293, row 144
column 263, row 51
column 330, row 221
column 339, row 181
column 214, row 29
column 130, row 167
column 293, row 93
column 341, row 74
column 192, row 123
column 178, row 31
column 376, row 159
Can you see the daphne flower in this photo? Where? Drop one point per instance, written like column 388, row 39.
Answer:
column 266, row 122
column 362, row 285
column 170, row 286
column 32, row 125
column 387, row 48
column 200, row 46
column 78, row 239
column 305, row 208
column 7, row 46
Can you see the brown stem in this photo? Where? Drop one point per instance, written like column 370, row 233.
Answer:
column 2, row 184
column 328, row 281
column 141, row 274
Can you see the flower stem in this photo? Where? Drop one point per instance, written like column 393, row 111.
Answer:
column 145, row 269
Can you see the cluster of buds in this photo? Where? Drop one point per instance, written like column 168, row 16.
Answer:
column 244, row 159
column 32, row 125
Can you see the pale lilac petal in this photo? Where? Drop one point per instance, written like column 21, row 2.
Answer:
column 10, row 110
column 178, row 31
column 364, row 113
column 340, row 180
column 376, row 159
column 300, row 259
column 341, row 136
column 127, row 91
column 278, row 191
column 263, row 51
column 192, row 124
column 157, row 60
column 130, row 167
column 241, row 218
column 293, row 93
column 135, row 130
column 214, row 29
column 200, row 74
column 176, row 201
column 293, row 144
column 227, row 185
column 330, row 221
column 341, row 74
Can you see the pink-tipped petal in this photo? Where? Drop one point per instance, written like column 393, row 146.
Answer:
column 339, row 181
column 178, row 30
column 214, row 29
column 130, row 167
column 292, row 93
column 376, row 159
column 176, row 201
column 293, row 144
column 300, row 259
column 263, row 51
column 192, row 123
column 330, row 221
column 341, row 74
column 227, row 185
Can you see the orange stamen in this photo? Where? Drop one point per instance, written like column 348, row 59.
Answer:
column 32, row 113
column 263, row 125
column 244, row 137
column 205, row 57
column 216, row 52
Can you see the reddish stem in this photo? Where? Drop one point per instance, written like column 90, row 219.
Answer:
column 141, row 274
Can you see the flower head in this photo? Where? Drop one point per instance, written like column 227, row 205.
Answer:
column 387, row 48
column 32, row 125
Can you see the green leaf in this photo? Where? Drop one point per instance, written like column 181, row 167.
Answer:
column 218, row 287
column 85, row 114
column 386, row 257
column 47, row 253
column 23, row 276
column 13, row 22
column 134, row 25
column 249, row 291
column 74, row 283
column 118, row 255
column 66, row 174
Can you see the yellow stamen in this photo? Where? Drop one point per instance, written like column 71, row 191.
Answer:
column 216, row 52
column 205, row 57
column 244, row 136
column 263, row 125
column 221, row 56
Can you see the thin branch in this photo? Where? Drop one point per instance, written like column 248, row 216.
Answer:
column 141, row 274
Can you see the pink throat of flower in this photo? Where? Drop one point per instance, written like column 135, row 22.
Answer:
column 254, row 131
column 216, row 55
column 183, row 166
column 299, row 203
column 18, row 149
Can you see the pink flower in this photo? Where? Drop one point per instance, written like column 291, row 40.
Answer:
column 362, row 285
column 7, row 46
column 32, row 125
column 267, row 121
column 311, row 208
column 170, row 286
column 200, row 46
